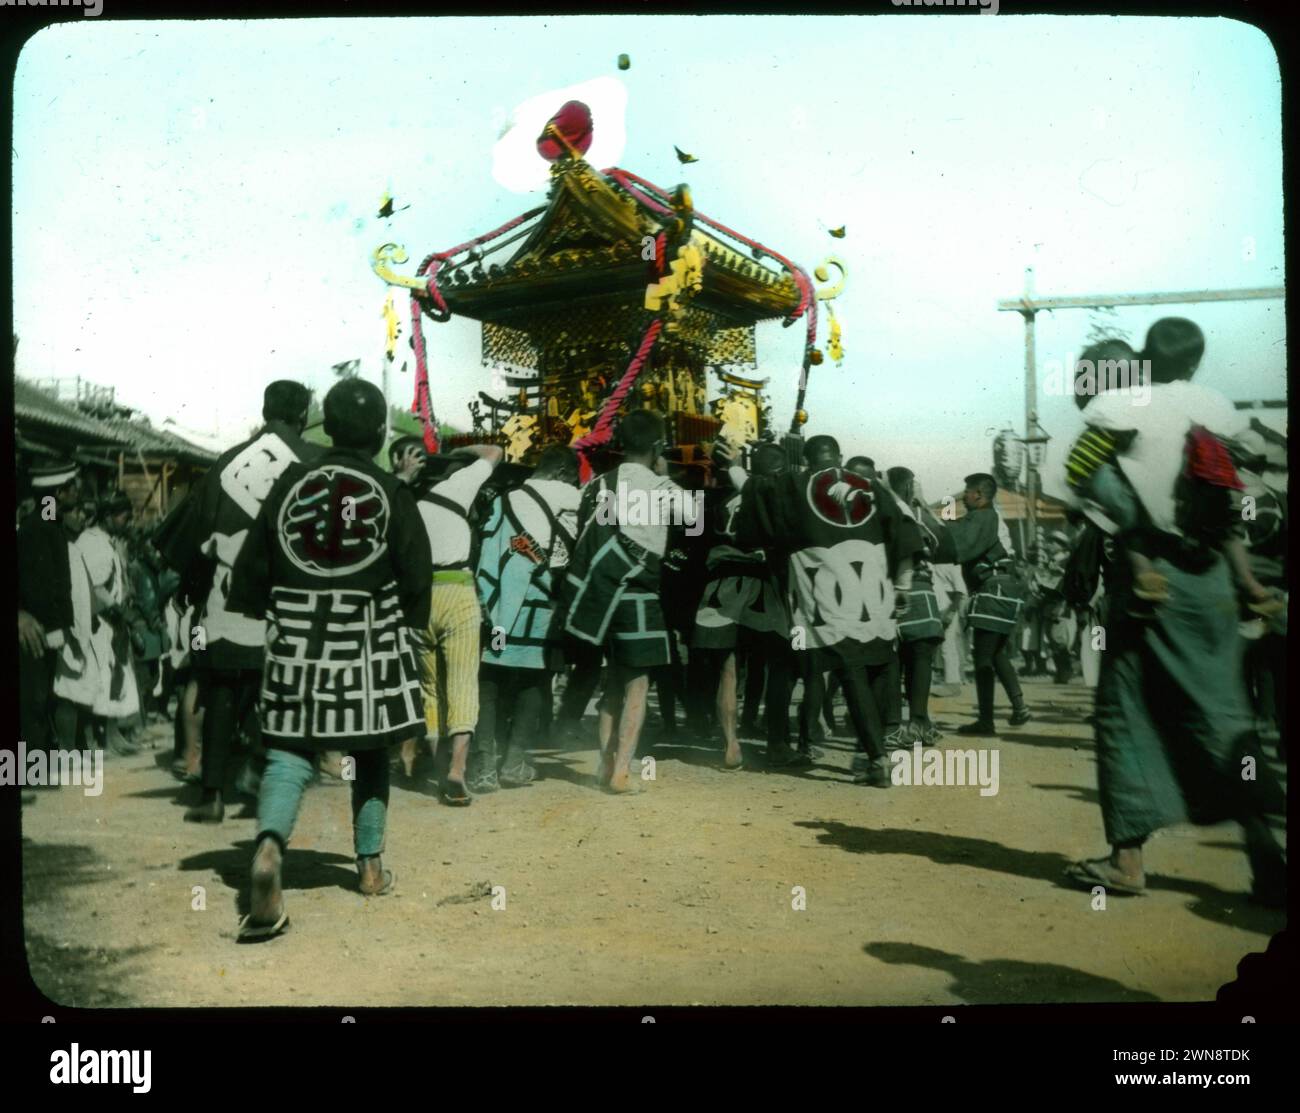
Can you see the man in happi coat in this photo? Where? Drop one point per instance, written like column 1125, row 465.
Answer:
column 920, row 627
column 997, row 595
column 208, row 536
column 526, row 540
column 847, row 553
column 741, row 608
column 338, row 563
column 450, row 661
column 614, row 580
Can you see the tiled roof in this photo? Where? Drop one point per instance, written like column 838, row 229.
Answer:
column 32, row 404
column 34, row 407
column 161, row 442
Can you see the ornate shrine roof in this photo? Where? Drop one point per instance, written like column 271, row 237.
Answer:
column 590, row 244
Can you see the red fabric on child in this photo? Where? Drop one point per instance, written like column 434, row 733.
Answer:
column 1208, row 460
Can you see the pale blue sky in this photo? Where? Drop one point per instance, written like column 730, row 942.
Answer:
column 194, row 203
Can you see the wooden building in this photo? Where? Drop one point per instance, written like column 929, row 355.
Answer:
column 116, row 448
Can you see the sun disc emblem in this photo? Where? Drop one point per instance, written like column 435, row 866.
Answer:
column 334, row 521
column 841, row 498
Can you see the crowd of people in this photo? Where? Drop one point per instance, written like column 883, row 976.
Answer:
column 99, row 656
column 311, row 611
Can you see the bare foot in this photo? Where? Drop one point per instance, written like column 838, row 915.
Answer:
column 374, row 879
column 408, row 754
column 266, row 902
column 605, row 771
column 211, row 810
column 619, row 784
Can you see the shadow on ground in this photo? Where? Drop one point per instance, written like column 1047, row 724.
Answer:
column 945, row 848
column 55, row 875
column 82, row 977
column 1007, row 981
column 303, row 869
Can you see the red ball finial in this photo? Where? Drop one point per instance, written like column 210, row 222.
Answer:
column 567, row 132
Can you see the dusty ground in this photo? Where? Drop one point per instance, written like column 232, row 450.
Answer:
column 680, row 895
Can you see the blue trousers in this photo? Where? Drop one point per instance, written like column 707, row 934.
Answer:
column 288, row 772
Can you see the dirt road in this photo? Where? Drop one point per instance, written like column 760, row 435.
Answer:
column 689, row 892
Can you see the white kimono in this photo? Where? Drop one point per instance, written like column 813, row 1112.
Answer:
column 108, row 580
column 77, row 673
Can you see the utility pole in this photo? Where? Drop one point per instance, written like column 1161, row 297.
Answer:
column 1031, row 420
column 387, row 364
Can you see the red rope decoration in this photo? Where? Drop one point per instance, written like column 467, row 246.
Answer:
column 807, row 301
column 603, row 430
column 422, row 406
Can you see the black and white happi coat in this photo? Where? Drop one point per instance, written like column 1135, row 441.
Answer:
column 338, row 562
column 213, row 527
column 739, row 591
column 839, row 540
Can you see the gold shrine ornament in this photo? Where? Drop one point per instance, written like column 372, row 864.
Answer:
column 392, row 326
column 833, row 345
column 739, row 416
column 388, row 253
column 685, row 276
column 520, row 431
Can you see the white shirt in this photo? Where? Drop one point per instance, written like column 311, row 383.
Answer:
column 104, row 564
column 948, row 584
column 1154, row 460
column 641, row 513
column 449, row 534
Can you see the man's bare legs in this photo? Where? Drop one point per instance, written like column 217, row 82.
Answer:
column 727, row 704
column 191, row 727
column 459, row 756
column 408, row 750
column 630, row 720
column 608, row 711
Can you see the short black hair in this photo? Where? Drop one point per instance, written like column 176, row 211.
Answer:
column 984, row 483
column 1104, row 351
column 1174, row 345
column 356, row 415
column 640, row 431
column 557, row 461
column 821, row 449
column 900, row 480
column 862, row 465
column 768, row 459
column 286, row 400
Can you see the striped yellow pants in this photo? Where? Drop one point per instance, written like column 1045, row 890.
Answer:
column 449, row 670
